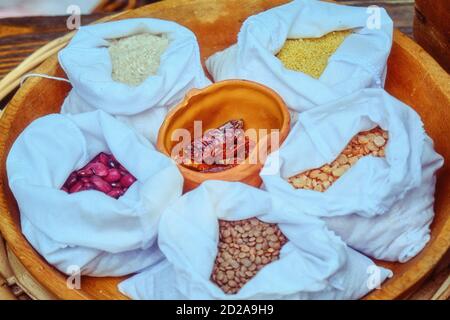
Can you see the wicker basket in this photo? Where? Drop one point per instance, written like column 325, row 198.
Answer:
column 15, row 281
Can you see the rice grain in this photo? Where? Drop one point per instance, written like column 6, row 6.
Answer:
column 136, row 57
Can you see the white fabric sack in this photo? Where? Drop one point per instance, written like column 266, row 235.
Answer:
column 360, row 62
column 313, row 264
column 90, row 230
column 87, row 63
column 381, row 206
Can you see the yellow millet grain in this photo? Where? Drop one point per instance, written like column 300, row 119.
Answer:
column 310, row 55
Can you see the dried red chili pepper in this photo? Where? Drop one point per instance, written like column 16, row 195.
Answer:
column 218, row 149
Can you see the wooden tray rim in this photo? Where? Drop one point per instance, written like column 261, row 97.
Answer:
column 38, row 267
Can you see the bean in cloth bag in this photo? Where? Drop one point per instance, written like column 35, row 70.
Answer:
column 89, row 230
column 360, row 62
column 87, row 63
column 313, row 264
column 382, row 207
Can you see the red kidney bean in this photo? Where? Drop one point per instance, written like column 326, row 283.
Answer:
column 88, row 186
column 85, row 180
column 104, row 173
column 113, row 175
column 116, row 185
column 84, row 173
column 71, row 180
column 112, row 163
column 127, row 180
column 103, row 158
column 76, row 187
column 100, row 184
column 98, row 168
column 116, row 193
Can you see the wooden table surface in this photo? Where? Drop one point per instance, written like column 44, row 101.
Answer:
column 19, row 37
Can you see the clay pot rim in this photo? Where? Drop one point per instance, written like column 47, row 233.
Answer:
column 242, row 169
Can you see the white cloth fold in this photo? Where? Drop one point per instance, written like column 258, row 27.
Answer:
column 313, row 264
column 360, row 62
column 101, row 235
column 381, row 206
column 88, row 66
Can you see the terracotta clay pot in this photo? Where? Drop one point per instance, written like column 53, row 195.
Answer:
column 259, row 107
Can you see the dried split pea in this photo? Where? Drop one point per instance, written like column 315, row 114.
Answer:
column 366, row 143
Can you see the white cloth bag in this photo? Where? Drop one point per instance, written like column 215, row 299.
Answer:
column 381, row 206
column 313, row 264
column 87, row 63
column 360, row 62
column 89, row 230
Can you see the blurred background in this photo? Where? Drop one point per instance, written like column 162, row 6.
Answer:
column 21, row 8
column 426, row 21
column 27, row 25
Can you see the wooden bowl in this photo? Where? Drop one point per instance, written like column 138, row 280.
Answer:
column 413, row 77
column 256, row 104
